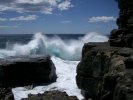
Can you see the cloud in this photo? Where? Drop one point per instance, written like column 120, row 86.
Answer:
column 65, row 21
column 101, row 19
column 24, row 18
column 42, row 6
column 2, row 19
column 3, row 27
column 65, row 5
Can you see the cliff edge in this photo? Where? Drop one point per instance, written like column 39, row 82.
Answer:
column 105, row 71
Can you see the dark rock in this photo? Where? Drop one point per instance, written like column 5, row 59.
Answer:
column 6, row 94
column 94, row 64
column 126, row 52
column 101, row 68
column 124, row 87
column 129, row 62
column 105, row 71
column 123, row 36
column 20, row 71
column 51, row 95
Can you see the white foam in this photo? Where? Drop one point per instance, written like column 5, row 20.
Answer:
column 40, row 44
column 66, row 72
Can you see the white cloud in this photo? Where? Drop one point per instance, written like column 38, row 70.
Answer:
column 42, row 6
column 65, row 5
column 2, row 19
column 2, row 27
column 47, row 10
column 65, row 21
column 24, row 18
column 29, row 1
column 101, row 19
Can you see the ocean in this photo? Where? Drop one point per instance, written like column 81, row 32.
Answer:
column 25, row 38
column 64, row 49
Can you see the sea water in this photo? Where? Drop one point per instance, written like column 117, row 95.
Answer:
column 65, row 51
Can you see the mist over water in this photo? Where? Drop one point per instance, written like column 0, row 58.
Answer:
column 67, row 49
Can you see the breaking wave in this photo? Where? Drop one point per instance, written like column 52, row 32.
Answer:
column 62, row 51
column 69, row 49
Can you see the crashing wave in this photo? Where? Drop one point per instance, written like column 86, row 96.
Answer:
column 41, row 45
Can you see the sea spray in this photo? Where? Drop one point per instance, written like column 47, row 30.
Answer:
column 68, row 49
column 66, row 72
column 63, row 53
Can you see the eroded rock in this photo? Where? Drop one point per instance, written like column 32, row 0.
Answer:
column 123, row 36
column 101, row 69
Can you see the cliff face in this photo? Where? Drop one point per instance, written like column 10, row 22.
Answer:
column 105, row 71
column 123, row 36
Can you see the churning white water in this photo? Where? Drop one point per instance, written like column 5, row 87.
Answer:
column 66, row 72
column 65, row 55
column 41, row 44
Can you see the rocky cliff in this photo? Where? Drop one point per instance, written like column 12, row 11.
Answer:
column 105, row 71
column 123, row 36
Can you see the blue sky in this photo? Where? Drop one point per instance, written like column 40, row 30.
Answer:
column 57, row 16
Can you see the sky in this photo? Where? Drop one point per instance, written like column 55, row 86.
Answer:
column 57, row 16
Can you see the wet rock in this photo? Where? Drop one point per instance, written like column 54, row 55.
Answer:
column 101, row 69
column 123, row 36
column 6, row 94
column 26, row 70
column 51, row 95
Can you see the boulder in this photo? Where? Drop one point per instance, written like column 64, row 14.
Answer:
column 6, row 94
column 51, row 95
column 26, row 70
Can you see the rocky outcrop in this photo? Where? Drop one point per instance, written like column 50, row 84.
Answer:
column 51, row 95
column 123, row 36
column 6, row 94
column 124, row 87
column 27, row 70
column 105, row 72
column 91, row 69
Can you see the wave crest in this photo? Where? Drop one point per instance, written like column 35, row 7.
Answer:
column 41, row 45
